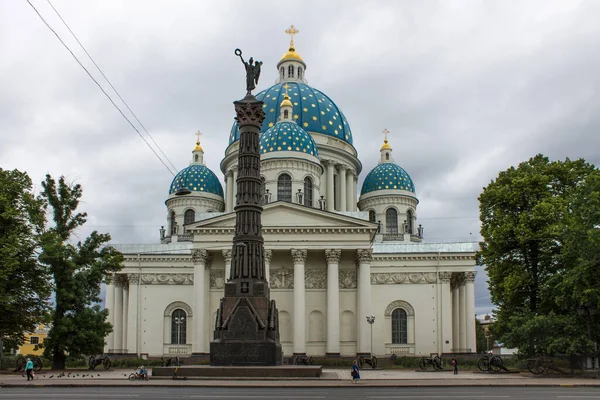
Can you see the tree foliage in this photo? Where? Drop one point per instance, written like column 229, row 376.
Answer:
column 540, row 227
column 24, row 284
column 79, row 325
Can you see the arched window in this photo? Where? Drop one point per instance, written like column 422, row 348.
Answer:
column 308, row 192
column 399, row 327
column 172, row 224
column 299, row 72
column 286, row 113
column 284, row 188
column 189, row 217
column 410, row 222
column 282, row 72
column 195, row 157
column 391, row 220
column 178, row 327
column 291, row 71
column 387, row 156
column 372, row 216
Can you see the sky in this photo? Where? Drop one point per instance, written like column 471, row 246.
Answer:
column 466, row 88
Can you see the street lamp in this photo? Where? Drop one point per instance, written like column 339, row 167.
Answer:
column 371, row 321
column 588, row 310
column 178, row 322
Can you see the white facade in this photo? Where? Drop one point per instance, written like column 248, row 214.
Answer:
column 329, row 264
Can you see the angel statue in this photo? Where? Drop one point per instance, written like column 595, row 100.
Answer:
column 252, row 71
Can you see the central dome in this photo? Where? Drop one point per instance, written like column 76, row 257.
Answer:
column 313, row 111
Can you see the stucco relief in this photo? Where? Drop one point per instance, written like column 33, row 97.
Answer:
column 347, row 278
column 217, row 278
column 402, row 277
column 315, row 279
column 282, row 278
column 167, row 279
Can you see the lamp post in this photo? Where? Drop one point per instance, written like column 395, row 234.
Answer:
column 178, row 322
column 588, row 310
column 371, row 321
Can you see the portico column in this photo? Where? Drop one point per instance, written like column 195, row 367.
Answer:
column 299, row 257
column 109, row 305
column 354, row 193
column 227, row 257
column 199, row 258
column 446, row 312
column 132, row 314
column 125, row 312
column 229, row 192
column 118, row 327
column 329, row 194
column 235, row 176
column 455, row 316
column 333, row 302
column 268, row 258
column 349, row 194
column 470, row 310
column 462, row 316
column 342, row 168
column 364, row 257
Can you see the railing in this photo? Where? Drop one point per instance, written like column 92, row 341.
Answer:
column 400, row 349
column 186, row 237
column 177, row 349
column 397, row 237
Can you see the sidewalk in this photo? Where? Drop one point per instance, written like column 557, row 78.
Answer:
column 332, row 377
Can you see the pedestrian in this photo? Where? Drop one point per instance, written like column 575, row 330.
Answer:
column 355, row 372
column 29, row 369
column 454, row 363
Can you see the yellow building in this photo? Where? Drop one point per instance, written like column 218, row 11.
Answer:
column 33, row 339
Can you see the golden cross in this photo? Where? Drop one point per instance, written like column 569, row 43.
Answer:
column 198, row 134
column 385, row 132
column 286, row 87
column 292, row 31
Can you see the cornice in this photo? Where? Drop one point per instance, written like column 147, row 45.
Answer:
column 423, row 257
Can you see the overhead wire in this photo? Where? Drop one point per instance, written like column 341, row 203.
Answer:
column 100, row 87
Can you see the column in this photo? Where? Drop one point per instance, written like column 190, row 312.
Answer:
column 118, row 326
column 342, row 168
column 455, row 316
column 349, row 195
column 462, row 317
column 125, row 312
column 354, row 192
column 235, row 176
column 329, row 193
column 228, row 191
column 109, row 305
column 268, row 258
column 199, row 257
column 299, row 257
column 227, row 257
column 446, row 312
column 333, row 302
column 364, row 257
column 132, row 314
column 471, row 344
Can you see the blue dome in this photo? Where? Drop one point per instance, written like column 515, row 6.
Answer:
column 387, row 176
column 287, row 136
column 313, row 111
column 197, row 178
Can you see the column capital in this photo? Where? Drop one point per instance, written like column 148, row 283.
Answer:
column 342, row 167
column 119, row 280
column 328, row 163
column 299, row 255
column 133, row 278
column 229, row 172
column 469, row 277
column 226, row 255
column 249, row 113
column 445, row 277
column 200, row 257
column 364, row 255
column 333, row 255
column 268, row 256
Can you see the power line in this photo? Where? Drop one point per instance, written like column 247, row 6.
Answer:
column 99, row 86
column 111, row 85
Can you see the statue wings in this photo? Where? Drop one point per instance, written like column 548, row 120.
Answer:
column 257, row 66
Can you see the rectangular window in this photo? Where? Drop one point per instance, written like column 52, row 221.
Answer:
column 34, row 340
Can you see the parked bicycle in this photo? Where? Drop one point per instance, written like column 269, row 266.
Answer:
column 434, row 361
column 22, row 362
column 493, row 363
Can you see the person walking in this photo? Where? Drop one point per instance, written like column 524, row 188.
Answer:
column 355, row 372
column 454, row 363
column 29, row 369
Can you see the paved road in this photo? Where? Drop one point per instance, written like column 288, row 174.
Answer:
column 352, row 393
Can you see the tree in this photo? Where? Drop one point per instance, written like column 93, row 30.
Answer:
column 529, row 247
column 480, row 338
column 24, row 284
column 79, row 325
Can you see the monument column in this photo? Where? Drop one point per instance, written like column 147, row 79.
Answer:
column 329, row 194
column 235, row 188
column 132, row 314
column 446, row 312
column 471, row 344
column 268, row 258
column 110, row 299
column 118, row 327
column 227, row 257
column 364, row 257
column 462, row 315
column 299, row 257
column 455, row 315
column 343, row 187
column 199, row 258
column 333, row 302
column 228, row 194
column 125, row 312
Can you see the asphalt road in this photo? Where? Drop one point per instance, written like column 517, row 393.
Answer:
column 423, row 393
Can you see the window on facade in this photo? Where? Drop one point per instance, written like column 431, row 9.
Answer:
column 409, row 221
column 372, row 216
column 178, row 327
column 286, row 113
column 291, row 71
column 173, row 227
column 284, row 188
column 195, row 157
column 34, row 340
column 387, row 156
column 399, row 327
column 189, row 217
column 299, row 72
column 308, row 192
column 282, row 72
column 391, row 220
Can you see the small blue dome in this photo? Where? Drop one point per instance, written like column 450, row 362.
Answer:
column 197, row 178
column 387, row 176
column 313, row 111
column 287, row 136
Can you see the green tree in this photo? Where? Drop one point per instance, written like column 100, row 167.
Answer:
column 79, row 325
column 480, row 338
column 527, row 215
column 24, row 284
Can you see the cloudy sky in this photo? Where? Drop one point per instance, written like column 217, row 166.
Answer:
column 467, row 89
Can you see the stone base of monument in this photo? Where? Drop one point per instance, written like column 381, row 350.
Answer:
column 207, row 371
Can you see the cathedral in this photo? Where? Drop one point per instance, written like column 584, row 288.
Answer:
column 348, row 266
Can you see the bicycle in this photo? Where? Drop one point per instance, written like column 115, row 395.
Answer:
column 136, row 375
